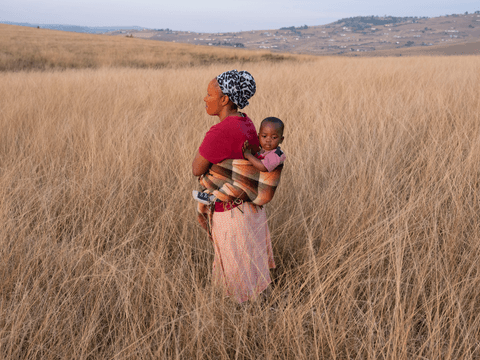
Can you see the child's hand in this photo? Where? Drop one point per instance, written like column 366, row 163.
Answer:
column 246, row 148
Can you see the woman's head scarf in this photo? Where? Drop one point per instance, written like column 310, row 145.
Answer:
column 239, row 86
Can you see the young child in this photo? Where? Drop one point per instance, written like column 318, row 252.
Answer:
column 268, row 158
column 270, row 137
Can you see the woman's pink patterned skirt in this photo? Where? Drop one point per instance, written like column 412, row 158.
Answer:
column 243, row 251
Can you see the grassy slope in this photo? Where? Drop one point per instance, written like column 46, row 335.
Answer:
column 25, row 48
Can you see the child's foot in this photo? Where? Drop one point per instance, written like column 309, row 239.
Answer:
column 202, row 197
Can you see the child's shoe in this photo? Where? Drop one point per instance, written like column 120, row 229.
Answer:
column 203, row 198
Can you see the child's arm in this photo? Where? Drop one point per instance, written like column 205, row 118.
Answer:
column 255, row 162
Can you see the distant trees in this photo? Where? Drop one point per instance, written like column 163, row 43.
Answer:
column 359, row 23
column 295, row 29
column 238, row 45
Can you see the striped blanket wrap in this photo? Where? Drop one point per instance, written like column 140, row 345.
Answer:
column 231, row 179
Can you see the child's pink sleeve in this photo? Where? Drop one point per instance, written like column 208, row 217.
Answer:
column 273, row 159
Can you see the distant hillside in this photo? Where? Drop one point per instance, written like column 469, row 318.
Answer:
column 355, row 35
column 469, row 48
column 75, row 28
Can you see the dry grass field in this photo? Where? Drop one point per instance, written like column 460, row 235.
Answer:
column 375, row 225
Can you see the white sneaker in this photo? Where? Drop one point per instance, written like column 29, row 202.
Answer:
column 202, row 197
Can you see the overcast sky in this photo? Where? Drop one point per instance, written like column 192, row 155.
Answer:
column 218, row 15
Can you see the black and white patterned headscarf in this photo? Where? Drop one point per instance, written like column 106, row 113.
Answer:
column 239, row 86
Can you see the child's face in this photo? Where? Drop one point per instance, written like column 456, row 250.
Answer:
column 270, row 136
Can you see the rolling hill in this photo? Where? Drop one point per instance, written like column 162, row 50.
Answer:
column 350, row 35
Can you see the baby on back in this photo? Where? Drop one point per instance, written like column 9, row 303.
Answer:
column 270, row 137
column 267, row 159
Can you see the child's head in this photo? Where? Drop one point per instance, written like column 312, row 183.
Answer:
column 271, row 133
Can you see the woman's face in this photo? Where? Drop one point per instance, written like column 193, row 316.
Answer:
column 214, row 98
column 269, row 136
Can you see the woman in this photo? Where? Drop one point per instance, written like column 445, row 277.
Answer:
column 243, row 249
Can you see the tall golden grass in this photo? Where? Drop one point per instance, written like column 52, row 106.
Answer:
column 375, row 225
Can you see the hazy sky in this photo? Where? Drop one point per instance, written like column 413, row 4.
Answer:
column 218, row 15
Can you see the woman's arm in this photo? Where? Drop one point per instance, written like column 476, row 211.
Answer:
column 254, row 161
column 200, row 165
